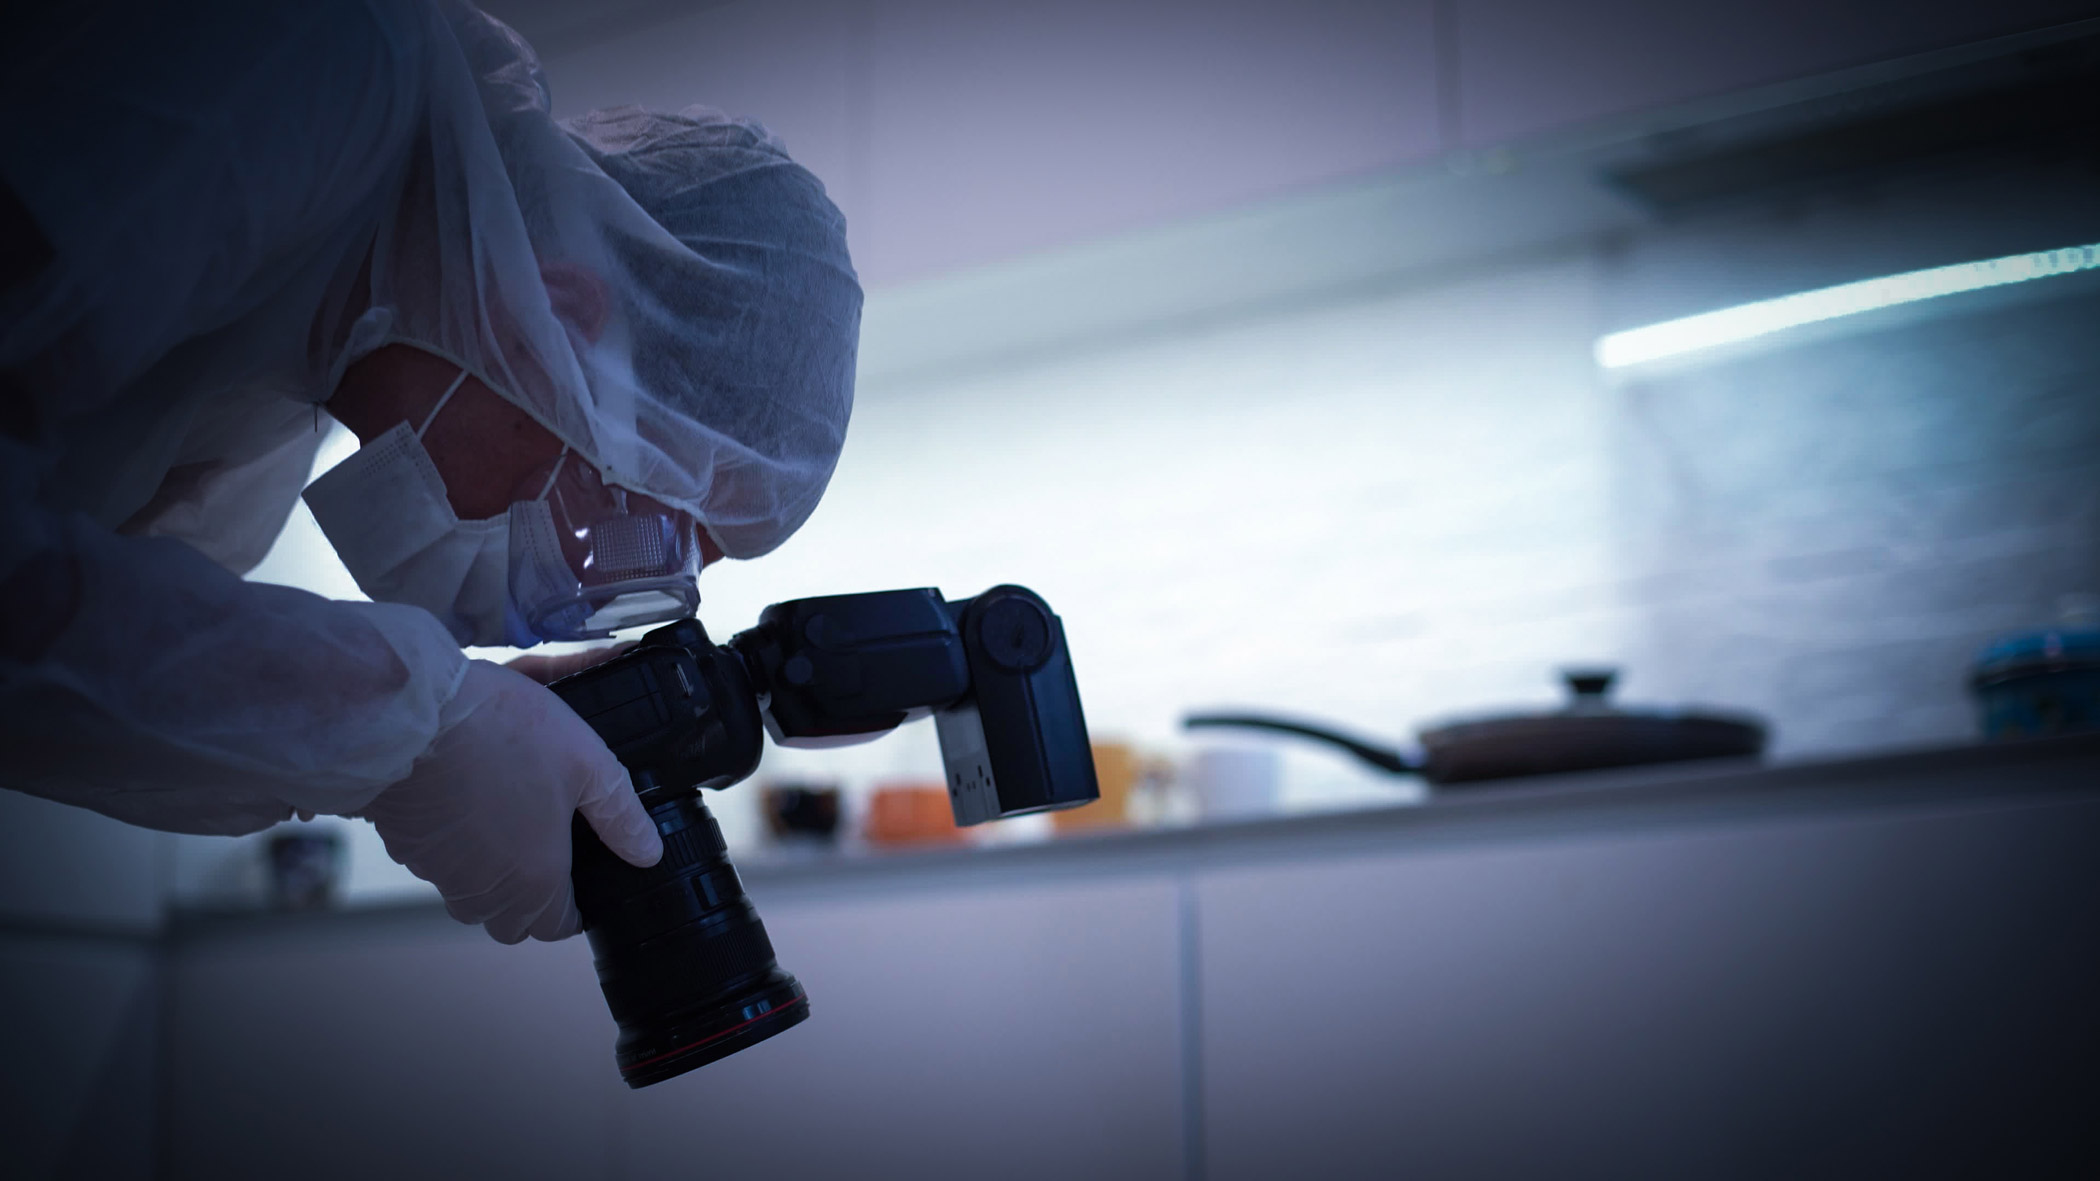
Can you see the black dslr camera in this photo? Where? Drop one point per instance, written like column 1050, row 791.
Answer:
column 684, row 961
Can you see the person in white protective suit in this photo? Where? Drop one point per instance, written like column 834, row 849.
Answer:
column 583, row 358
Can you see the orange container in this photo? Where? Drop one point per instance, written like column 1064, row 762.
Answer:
column 915, row 813
column 1120, row 769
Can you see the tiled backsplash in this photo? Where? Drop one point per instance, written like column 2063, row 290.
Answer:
column 1390, row 510
column 1828, row 534
column 1374, row 511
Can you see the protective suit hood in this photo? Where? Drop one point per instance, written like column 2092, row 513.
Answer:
column 721, row 378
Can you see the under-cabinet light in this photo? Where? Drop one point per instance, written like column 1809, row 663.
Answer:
column 1747, row 321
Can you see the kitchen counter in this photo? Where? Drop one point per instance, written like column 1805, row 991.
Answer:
column 1675, row 797
column 1867, row 967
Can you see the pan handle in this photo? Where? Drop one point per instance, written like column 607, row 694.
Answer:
column 1384, row 758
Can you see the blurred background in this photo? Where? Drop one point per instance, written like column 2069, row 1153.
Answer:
column 1273, row 344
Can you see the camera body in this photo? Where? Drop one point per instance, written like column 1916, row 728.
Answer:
column 684, row 961
column 993, row 671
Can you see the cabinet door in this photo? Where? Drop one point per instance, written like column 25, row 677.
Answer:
column 997, row 130
column 68, row 867
column 984, row 1030
column 1851, row 998
column 78, row 1050
column 386, row 1045
column 1526, row 66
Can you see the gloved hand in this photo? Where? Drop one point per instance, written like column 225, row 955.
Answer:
column 549, row 669
column 484, row 814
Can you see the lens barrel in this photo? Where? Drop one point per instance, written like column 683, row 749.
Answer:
column 684, row 960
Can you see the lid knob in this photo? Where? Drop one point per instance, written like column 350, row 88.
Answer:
column 1589, row 685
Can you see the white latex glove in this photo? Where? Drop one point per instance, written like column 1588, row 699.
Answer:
column 484, row 814
column 549, row 669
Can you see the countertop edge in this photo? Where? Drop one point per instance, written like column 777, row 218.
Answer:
column 1628, row 801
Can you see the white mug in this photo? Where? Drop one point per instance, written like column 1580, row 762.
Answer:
column 1234, row 782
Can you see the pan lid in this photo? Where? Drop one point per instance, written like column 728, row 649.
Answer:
column 1587, row 732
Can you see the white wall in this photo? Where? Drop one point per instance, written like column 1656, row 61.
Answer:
column 955, row 133
column 1396, row 506
column 958, row 134
column 1831, row 530
column 1831, row 535
column 1370, row 509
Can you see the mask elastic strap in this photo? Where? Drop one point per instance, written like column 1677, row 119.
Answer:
column 442, row 399
column 554, row 474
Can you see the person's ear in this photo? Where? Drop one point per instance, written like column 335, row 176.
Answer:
column 579, row 297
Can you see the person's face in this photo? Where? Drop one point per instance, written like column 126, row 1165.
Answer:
column 484, row 447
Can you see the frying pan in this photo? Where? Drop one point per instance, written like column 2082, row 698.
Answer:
column 1588, row 733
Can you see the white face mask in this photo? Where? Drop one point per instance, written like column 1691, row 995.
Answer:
column 385, row 511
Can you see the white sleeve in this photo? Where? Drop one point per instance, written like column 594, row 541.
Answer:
column 142, row 680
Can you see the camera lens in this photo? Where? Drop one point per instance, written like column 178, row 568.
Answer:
column 684, row 961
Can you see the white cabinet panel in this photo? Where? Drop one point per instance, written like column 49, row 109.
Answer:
column 1845, row 998
column 386, row 1046
column 78, row 1037
column 1526, row 66
column 1009, row 1032
column 997, row 130
column 66, row 865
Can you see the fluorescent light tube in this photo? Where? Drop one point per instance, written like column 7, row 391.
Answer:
column 1751, row 320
